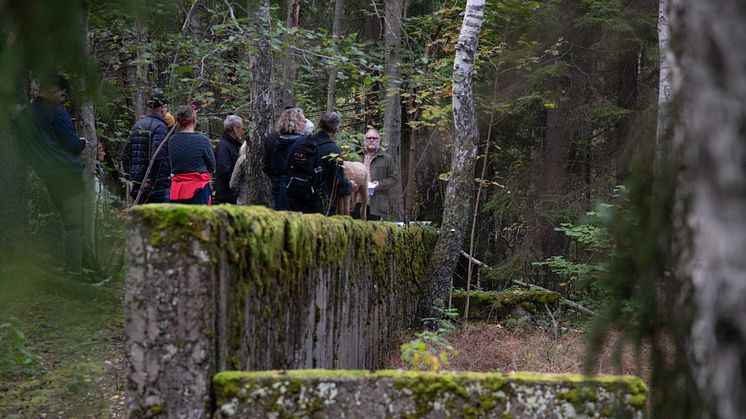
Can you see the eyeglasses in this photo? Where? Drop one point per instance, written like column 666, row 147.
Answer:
column 372, row 138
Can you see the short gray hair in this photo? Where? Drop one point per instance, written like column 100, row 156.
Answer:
column 231, row 122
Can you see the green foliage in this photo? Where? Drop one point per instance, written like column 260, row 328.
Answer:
column 592, row 247
column 430, row 350
column 14, row 351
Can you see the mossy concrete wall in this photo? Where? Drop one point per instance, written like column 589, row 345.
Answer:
column 248, row 288
column 387, row 394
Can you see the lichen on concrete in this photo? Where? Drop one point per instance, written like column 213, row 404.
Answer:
column 327, row 394
column 277, row 290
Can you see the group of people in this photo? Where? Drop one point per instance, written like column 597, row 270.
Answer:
column 166, row 160
column 304, row 169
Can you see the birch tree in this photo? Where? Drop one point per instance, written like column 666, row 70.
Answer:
column 392, row 107
column 460, row 190
column 711, row 138
column 666, row 62
column 262, row 104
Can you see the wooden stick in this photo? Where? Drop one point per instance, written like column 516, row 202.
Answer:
column 562, row 300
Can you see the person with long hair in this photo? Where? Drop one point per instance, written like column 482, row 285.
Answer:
column 291, row 125
column 192, row 161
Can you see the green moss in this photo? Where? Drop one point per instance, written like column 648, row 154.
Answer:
column 274, row 254
column 483, row 304
column 472, row 394
column 156, row 410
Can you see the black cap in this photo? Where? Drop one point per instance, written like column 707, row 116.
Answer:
column 157, row 100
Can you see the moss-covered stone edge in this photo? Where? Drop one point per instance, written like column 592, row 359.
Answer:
column 273, row 256
column 484, row 304
column 423, row 385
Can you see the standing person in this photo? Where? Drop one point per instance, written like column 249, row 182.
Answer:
column 383, row 175
column 291, row 126
column 267, row 160
column 147, row 134
column 226, row 155
column 192, row 161
column 239, row 183
column 52, row 147
column 315, row 175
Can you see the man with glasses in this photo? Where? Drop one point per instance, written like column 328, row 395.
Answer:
column 145, row 137
column 383, row 175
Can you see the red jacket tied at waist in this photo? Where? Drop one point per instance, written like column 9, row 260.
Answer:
column 184, row 185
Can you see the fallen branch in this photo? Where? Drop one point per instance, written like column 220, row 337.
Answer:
column 562, row 300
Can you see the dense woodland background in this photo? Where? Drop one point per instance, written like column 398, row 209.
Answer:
column 565, row 90
column 574, row 188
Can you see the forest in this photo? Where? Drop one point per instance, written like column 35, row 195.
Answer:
column 582, row 157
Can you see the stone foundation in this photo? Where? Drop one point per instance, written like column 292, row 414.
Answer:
column 386, row 394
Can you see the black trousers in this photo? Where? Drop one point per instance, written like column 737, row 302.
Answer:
column 356, row 213
column 66, row 191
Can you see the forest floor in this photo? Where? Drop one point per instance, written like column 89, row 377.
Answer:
column 510, row 346
column 61, row 347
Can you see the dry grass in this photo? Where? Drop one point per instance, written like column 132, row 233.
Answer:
column 490, row 347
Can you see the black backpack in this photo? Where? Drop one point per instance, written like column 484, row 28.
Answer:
column 305, row 172
column 283, row 151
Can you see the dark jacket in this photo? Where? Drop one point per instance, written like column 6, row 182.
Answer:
column 333, row 172
column 49, row 142
column 267, row 163
column 332, row 178
column 145, row 137
column 190, row 152
column 384, row 170
column 226, row 155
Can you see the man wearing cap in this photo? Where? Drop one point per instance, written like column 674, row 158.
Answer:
column 145, row 137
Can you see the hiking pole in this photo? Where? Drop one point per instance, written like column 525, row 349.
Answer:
column 152, row 160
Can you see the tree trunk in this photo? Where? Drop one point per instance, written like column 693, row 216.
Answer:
column 712, row 124
column 262, row 107
column 287, row 88
column 140, row 83
column 331, row 91
column 86, row 126
column 392, row 104
column 410, row 189
column 666, row 62
column 459, row 193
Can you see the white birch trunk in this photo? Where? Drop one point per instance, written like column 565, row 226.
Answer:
column 459, row 192
column 711, row 133
column 666, row 62
column 87, row 129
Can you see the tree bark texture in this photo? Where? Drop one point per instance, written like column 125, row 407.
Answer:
column 287, row 89
column 459, row 192
column 392, row 104
column 331, row 91
column 86, row 125
column 666, row 62
column 712, row 119
column 248, row 288
column 262, row 111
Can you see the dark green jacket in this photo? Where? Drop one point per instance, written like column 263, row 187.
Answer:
column 383, row 169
